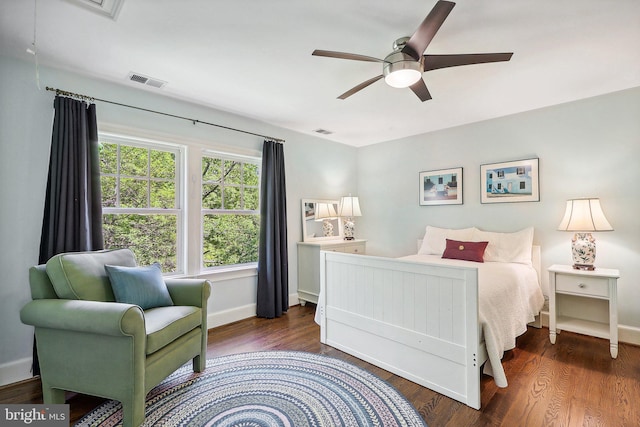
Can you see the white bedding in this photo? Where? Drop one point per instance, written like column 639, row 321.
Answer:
column 509, row 298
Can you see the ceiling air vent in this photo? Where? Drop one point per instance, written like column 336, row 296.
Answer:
column 108, row 8
column 145, row 80
column 323, row 131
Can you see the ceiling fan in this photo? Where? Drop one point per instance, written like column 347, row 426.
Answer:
column 404, row 66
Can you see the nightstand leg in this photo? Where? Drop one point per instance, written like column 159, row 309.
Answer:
column 552, row 336
column 614, row 351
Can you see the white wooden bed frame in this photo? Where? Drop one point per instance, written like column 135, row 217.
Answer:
column 419, row 321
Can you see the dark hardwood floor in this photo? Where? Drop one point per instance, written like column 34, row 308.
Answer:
column 572, row 383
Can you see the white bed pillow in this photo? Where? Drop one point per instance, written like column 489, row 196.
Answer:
column 435, row 239
column 507, row 247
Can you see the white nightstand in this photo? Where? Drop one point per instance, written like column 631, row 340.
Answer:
column 578, row 299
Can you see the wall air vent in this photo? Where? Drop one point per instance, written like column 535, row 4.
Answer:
column 323, row 131
column 146, row 80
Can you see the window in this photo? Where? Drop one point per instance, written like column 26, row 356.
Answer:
column 230, row 210
column 145, row 204
column 141, row 203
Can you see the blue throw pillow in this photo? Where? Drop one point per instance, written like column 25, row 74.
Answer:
column 143, row 286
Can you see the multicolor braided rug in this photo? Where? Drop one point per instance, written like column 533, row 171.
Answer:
column 271, row 388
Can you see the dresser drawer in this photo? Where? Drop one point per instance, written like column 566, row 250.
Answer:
column 354, row 249
column 593, row 286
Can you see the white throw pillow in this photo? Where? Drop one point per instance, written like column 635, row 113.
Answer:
column 506, row 247
column 435, row 239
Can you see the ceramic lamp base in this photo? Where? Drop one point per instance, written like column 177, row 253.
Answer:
column 327, row 228
column 349, row 229
column 583, row 250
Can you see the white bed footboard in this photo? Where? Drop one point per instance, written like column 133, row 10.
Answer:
column 416, row 320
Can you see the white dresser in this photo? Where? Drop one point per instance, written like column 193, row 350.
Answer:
column 309, row 264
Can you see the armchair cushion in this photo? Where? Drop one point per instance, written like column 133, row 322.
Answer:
column 81, row 275
column 164, row 325
column 142, row 286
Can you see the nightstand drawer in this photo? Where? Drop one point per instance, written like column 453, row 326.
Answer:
column 594, row 286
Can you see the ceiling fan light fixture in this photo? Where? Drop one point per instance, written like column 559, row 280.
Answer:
column 402, row 78
column 400, row 70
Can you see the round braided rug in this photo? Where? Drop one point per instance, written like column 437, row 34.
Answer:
column 271, row 388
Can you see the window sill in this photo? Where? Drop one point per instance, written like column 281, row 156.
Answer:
column 229, row 273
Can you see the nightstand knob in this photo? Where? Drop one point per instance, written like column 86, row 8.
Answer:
column 582, row 286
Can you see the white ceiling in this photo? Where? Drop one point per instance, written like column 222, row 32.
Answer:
column 253, row 57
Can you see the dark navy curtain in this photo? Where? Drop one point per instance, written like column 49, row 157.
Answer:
column 72, row 218
column 273, row 261
column 73, row 208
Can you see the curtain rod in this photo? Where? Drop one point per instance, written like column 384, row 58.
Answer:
column 194, row 121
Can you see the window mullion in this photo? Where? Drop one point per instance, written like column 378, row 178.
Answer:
column 148, row 178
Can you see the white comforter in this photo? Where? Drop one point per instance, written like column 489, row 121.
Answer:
column 509, row 298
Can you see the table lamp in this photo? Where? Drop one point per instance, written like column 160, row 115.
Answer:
column 583, row 216
column 349, row 207
column 325, row 212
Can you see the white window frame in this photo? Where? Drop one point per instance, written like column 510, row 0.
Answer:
column 180, row 152
column 235, row 270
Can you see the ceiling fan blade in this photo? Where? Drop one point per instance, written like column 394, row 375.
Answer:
column 344, row 55
column 419, row 41
column 434, row 62
column 421, row 91
column 359, row 87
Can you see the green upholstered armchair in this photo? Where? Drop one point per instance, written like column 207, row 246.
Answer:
column 90, row 344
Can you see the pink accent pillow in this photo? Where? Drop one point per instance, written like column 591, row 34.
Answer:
column 467, row 251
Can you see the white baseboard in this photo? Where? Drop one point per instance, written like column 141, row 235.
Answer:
column 220, row 318
column 15, row 371
column 629, row 334
column 224, row 317
column 544, row 317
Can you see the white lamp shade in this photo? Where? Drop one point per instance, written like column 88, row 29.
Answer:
column 325, row 211
column 349, row 206
column 584, row 215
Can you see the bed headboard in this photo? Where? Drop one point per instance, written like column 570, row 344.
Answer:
column 535, row 259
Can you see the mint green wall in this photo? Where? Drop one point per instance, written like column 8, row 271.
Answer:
column 315, row 168
column 589, row 148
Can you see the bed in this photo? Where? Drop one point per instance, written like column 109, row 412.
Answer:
column 434, row 321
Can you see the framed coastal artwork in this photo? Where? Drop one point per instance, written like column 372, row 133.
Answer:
column 441, row 187
column 514, row 181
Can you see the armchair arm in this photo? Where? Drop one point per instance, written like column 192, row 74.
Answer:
column 105, row 318
column 194, row 292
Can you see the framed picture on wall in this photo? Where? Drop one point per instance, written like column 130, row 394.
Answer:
column 441, row 187
column 515, row 181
